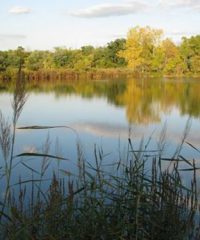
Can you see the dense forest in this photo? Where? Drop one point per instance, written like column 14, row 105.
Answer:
column 145, row 50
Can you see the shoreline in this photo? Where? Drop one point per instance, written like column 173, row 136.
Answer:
column 92, row 74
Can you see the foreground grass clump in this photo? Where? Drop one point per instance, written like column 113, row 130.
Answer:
column 128, row 202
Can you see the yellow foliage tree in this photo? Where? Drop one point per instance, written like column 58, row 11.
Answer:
column 173, row 62
column 140, row 47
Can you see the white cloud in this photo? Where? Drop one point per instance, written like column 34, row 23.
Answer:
column 110, row 9
column 118, row 35
column 181, row 3
column 19, row 10
column 5, row 37
column 102, row 129
column 180, row 33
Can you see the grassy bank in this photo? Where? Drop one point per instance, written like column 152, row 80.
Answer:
column 91, row 74
column 70, row 74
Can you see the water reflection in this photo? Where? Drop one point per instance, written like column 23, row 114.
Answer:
column 103, row 112
column 145, row 100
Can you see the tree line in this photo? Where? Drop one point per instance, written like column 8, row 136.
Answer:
column 144, row 51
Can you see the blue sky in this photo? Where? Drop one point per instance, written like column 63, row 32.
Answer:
column 45, row 24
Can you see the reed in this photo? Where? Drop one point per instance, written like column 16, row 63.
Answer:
column 130, row 202
column 8, row 133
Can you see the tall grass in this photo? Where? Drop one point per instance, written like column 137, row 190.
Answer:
column 128, row 203
column 136, row 197
column 8, row 133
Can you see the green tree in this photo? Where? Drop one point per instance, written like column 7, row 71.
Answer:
column 99, row 58
column 63, row 58
column 35, row 60
column 190, row 51
column 17, row 57
column 3, row 61
column 82, row 61
column 112, row 54
column 87, row 50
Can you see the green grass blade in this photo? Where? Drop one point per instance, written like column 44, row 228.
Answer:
column 40, row 155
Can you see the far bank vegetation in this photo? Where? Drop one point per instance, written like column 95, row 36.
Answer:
column 144, row 51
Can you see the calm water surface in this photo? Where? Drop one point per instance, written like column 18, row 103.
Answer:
column 105, row 113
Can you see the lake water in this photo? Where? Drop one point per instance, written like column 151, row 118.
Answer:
column 105, row 114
